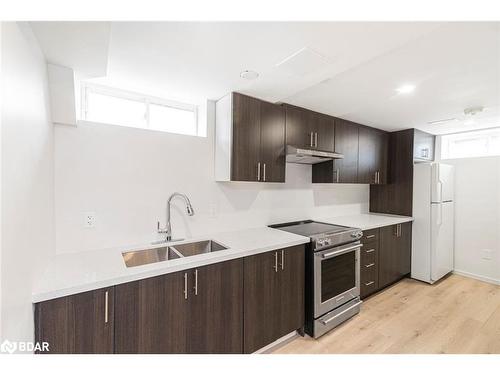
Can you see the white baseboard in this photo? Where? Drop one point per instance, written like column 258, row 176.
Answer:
column 477, row 277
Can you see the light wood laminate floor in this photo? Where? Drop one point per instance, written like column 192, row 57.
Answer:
column 455, row 315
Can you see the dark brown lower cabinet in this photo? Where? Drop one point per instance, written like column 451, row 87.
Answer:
column 152, row 315
column 193, row 311
column 274, row 296
column 238, row 306
column 395, row 253
column 77, row 324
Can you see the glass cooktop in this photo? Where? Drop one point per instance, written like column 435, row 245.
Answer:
column 309, row 227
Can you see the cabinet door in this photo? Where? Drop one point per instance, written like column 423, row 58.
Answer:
column 323, row 129
column 246, row 138
column 373, row 149
column 152, row 315
column 274, row 296
column 77, row 324
column 298, row 132
column 291, row 263
column 261, row 302
column 394, row 253
column 272, row 142
column 346, row 142
column 216, row 308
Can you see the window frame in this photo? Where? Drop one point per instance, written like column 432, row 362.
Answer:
column 146, row 100
column 478, row 134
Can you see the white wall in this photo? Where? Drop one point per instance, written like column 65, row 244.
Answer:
column 27, row 221
column 477, row 216
column 125, row 176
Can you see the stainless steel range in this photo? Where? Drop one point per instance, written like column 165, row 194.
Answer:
column 332, row 273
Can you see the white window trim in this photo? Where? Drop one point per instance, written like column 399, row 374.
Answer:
column 145, row 99
column 476, row 135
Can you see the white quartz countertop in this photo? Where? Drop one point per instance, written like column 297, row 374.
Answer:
column 367, row 221
column 72, row 273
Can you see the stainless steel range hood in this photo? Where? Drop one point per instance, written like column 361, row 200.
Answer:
column 308, row 156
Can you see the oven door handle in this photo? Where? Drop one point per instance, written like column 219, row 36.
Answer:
column 325, row 322
column 341, row 251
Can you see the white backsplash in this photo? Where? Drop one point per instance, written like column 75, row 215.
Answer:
column 125, row 176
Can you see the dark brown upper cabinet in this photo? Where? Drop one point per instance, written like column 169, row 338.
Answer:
column 274, row 296
column 309, row 129
column 341, row 170
column 323, row 129
column 423, row 146
column 297, row 128
column 397, row 196
column 346, row 143
column 194, row 311
column 272, row 142
column 249, row 140
column 78, row 324
column 373, row 151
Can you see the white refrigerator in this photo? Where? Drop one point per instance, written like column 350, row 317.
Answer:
column 433, row 225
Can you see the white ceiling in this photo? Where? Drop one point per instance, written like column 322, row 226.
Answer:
column 82, row 46
column 358, row 65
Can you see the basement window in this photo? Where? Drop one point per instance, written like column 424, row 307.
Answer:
column 117, row 107
column 471, row 144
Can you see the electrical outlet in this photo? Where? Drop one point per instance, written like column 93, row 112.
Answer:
column 213, row 210
column 486, row 254
column 89, row 219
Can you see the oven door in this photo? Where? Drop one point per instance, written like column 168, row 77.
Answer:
column 336, row 277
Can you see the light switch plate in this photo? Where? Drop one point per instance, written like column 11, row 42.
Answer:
column 89, row 219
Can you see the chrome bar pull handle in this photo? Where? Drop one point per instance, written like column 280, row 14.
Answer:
column 282, row 260
column 325, row 322
column 311, row 139
column 370, row 265
column 341, row 251
column 195, row 282
column 370, row 250
column 275, row 261
column 264, row 172
column 258, row 171
column 369, row 283
column 185, row 285
column 106, row 307
column 370, row 236
column 316, row 140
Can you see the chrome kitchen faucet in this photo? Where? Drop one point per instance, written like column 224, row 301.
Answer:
column 168, row 229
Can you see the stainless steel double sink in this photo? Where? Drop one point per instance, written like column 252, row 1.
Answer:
column 174, row 251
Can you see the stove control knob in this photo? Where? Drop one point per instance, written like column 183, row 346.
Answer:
column 328, row 241
column 357, row 234
column 320, row 242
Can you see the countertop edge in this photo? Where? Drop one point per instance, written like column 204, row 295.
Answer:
column 350, row 221
column 198, row 261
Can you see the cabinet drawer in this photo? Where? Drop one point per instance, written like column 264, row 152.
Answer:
column 369, row 254
column 369, row 280
column 371, row 235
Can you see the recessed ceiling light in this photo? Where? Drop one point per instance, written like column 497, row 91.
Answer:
column 249, row 74
column 405, row 89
